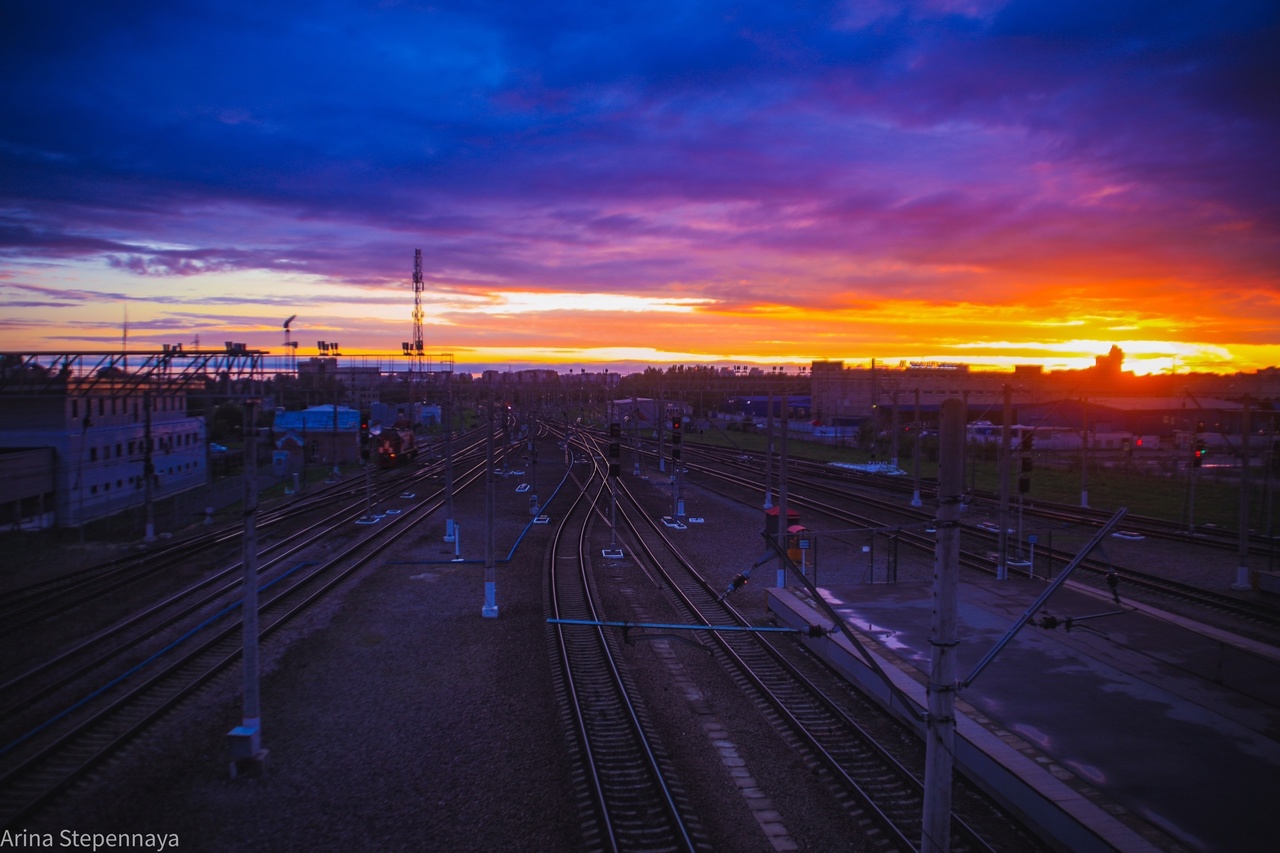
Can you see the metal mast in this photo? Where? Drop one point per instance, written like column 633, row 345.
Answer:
column 415, row 357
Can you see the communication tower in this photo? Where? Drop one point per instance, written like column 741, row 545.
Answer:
column 416, row 355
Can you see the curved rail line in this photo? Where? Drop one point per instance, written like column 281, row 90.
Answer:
column 881, row 794
column 630, row 800
column 913, row 533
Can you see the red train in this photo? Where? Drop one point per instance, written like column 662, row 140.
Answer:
column 395, row 447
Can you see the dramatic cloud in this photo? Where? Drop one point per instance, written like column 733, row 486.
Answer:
column 981, row 180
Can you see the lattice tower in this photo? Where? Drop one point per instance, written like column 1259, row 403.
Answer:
column 417, row 354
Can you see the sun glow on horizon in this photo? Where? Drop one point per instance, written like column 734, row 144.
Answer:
column 525, row 302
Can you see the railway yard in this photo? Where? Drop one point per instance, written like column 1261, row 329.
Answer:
column 631, row 693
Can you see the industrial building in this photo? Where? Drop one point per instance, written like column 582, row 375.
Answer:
column 324, row 435
column 81, row 450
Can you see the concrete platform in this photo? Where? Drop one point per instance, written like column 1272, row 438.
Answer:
column 1136, row 731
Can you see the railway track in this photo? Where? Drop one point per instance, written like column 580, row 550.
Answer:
column 881, row 793
column 24, row 607
column 630, row 797
column 869, row 482
column 832, row 500
column 79, row 708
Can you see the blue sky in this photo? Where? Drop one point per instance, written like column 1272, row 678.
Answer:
column 988, row 182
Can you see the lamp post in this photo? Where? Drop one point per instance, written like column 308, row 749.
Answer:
column 330, row 349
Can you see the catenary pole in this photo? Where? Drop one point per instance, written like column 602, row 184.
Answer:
column 915, row 454
column 768, row 448
column 1006, row 443
column 782, row 492
column 1242, row 570
column 940, row 743
column 246, row 739
column 449, row 534
column 148, row 468
column 490, row 609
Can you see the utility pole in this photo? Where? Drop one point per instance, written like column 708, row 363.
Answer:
column 1242, row 570
column 893, row 453
column 337, row 472
column 1006, row 443
column 490, row 610
column 1084, row 453
column 449, row 531
column 148, row 468
column 768, row 449
column 246, row 739
column 661, row 409
column 940, row 742
column 782, row 494
column 915, row 453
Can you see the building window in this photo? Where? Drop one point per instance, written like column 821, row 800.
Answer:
column 75, row 408
column 93, row 454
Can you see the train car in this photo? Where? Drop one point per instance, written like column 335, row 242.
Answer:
column 396, row 447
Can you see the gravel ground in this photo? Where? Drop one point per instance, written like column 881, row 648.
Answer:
column 397, row 718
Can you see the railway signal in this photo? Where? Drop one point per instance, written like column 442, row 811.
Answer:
column 739, row 581
column 675, row 439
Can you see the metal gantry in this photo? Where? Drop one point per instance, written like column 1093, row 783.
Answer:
column 233, row 370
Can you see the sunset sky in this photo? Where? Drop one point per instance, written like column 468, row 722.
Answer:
column 639, row 183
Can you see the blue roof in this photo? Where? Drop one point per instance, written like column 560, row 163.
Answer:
column 317, row 419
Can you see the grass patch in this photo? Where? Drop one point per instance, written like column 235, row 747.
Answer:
column 1153, row 495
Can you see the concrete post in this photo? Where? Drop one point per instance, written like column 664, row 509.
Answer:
column 490, row 609
column 768, row 451
column 782, row 494
column 1243, row 581
column 915, row 453
column 449, row 529
column 245, row 740
column 940, row 743
column 148, row 470
column 1006, row 453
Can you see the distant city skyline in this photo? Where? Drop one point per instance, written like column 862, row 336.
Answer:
column 991, row 182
